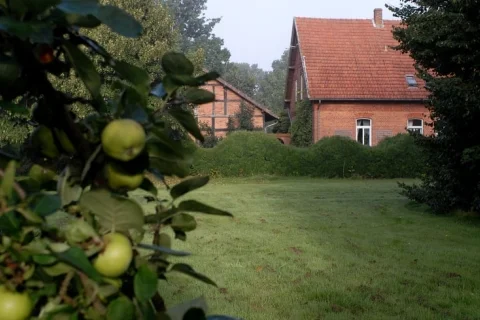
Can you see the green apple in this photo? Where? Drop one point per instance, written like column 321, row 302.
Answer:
column 116, row 257
column 14, row 305
column 118, row 179
column 41, row 174
column 123, row 139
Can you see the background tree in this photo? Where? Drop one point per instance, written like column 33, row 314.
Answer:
column 271, row 89
column 442, row 38
column 244, row 77
column 301, row 130
column 197, row 32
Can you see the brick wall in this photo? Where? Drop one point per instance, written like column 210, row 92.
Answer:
column 386, row 119
column 227, row 103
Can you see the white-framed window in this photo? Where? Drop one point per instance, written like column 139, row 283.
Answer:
column 415, row 125
column 364, row 131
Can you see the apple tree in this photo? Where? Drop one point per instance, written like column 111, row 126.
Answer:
column 96, row 264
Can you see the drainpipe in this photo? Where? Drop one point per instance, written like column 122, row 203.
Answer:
column 270, row 126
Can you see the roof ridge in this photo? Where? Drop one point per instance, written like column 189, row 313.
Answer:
column 344, row 19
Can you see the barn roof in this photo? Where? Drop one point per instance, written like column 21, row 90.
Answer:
column 247, row 98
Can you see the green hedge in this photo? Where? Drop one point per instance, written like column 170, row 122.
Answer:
column 255, row 153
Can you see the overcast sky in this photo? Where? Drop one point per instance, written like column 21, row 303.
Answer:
column 257, row 31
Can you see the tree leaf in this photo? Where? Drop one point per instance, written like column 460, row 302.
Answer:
column 145, row 283
column 188, row 270
column 180, row 235
column 169, row 85
column 83, row 7
column 148, row 186
column 85, row 69
column 44, row 259
column 199, row 96
column 83, row 21
column 119, row 21
column 184, row 80
column 45, row 204
column 187, row 120
column 209, row 76
column 39, row 6
column 161, row 216
column 29, row 215
column 113, row 212
column 161, row 145
column 79, row 231
column 183, row 222
column 23, row 30
column 195, row 206
column 132, row 105
column 133, row 74
column 186, row 186
column 163, row 250
column 170, row 168
column 121, row 309
column 77, row 259
column 57, row 269
column 8, row 180
column 177, row 63
column 10, row 225
column 147, row 311
column 68, row 187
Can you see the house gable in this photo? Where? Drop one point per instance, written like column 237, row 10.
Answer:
column 227, row 103
column 350, row 59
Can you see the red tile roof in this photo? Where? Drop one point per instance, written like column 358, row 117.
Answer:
column 351, row 59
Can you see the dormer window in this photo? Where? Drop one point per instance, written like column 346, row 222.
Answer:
column 411, row 81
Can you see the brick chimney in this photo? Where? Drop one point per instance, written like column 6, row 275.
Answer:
column 378, row 18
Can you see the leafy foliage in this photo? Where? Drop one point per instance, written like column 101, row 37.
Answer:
column 245, row 77
column 271, row 89
column 91, row 267
column 211, row 140
column 302, row 126
column 256, row 153
column 242, row 119
column 266, row 87
column 441, row 36
column 197, row 32
column 283, row 124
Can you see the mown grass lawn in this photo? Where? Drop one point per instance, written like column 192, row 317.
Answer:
column 329, row 249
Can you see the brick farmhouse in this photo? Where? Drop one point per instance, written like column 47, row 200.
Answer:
column 226, row 104
column 359, row 87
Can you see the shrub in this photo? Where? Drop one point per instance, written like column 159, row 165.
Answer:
column 337, row 157
column 255, row 153
column 283, row 124
column 385, row 160
column 211, row 140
